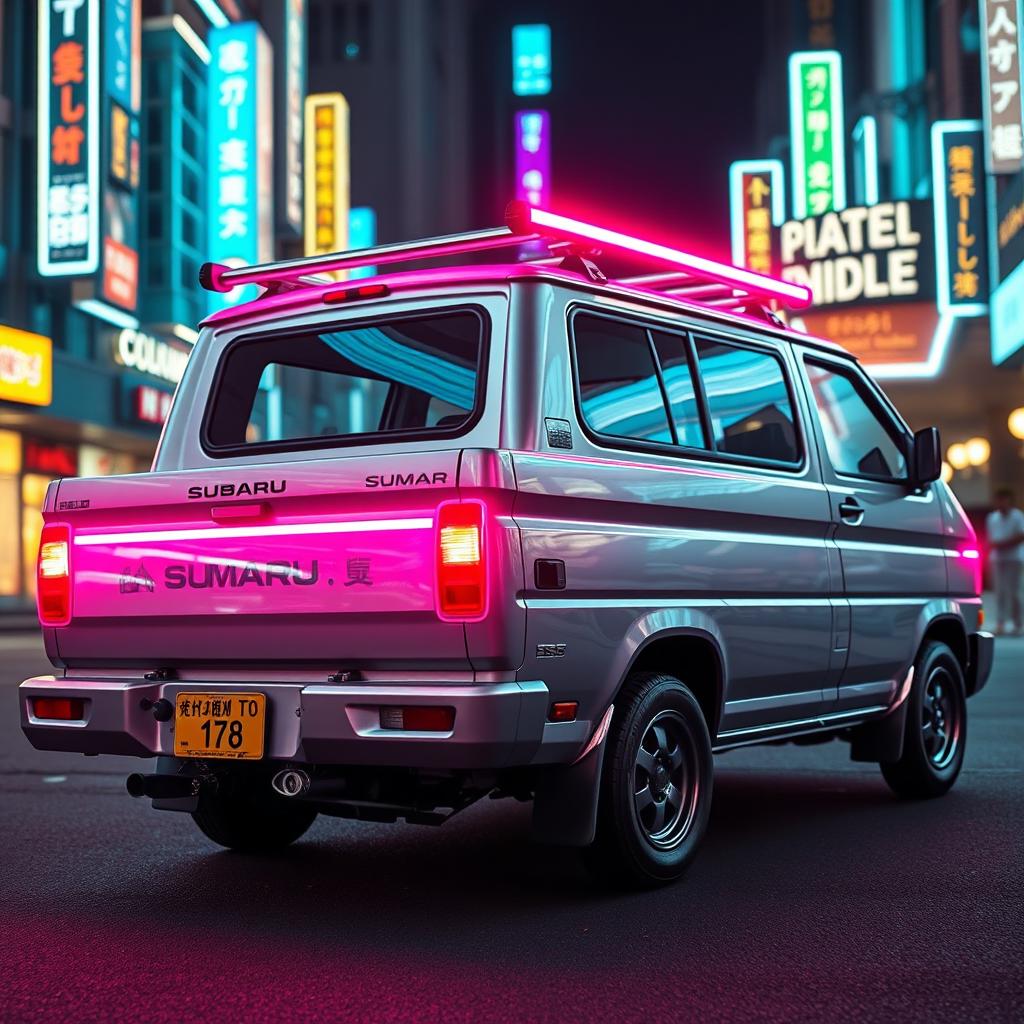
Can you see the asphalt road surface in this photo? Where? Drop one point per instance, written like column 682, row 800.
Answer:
column 817, row 896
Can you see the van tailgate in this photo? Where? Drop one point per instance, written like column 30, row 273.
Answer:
column 327, row 562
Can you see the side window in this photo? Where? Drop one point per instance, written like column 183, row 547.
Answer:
column 859, row 438
column 619, row 390
column 676, row 372
column 748, row 401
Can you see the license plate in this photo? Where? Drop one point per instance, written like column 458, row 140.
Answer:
column 220, row 725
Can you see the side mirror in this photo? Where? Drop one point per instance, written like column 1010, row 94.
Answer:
column 926, row 457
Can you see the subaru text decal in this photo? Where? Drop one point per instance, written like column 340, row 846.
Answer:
column 242, row 490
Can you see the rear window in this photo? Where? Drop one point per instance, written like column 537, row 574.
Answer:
column 355, row 384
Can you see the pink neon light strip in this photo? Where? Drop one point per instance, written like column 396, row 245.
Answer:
column 222, row 532
column 792, row 294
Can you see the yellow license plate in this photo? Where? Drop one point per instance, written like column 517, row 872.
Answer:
column 220, row 725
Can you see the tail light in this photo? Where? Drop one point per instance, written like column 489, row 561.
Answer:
column 53, row 576
column 59, row 709
column 461, row 561
column 418, row 718
column 973, row 557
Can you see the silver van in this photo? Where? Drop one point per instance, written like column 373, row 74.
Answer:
column 510, row 529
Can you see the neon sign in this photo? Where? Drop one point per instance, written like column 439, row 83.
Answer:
column 817, row 132
column 757, row 202
column 240, row 147
column 327, row 182
column 68, row 137
column 533, row 157
column 531, row 60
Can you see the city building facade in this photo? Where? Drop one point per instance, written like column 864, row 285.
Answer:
column 112, row 195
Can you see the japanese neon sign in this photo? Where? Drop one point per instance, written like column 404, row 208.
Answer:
column 757, row 201
column 240, row 148
column 1001, row 98
column 817, row 132
column 531, row 60
column 533, row 157
column 960, row 215
column 68, row 137
column 327, row 180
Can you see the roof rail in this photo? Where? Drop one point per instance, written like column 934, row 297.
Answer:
column 693, row 276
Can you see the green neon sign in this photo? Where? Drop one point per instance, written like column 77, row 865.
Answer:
column 817, row 132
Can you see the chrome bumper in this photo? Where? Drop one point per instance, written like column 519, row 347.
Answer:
column 496, row 724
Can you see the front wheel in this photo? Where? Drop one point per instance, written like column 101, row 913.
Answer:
column 252, row 822
column 936, row 729
column 656, row 786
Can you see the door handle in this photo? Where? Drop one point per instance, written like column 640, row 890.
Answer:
column 851, row 511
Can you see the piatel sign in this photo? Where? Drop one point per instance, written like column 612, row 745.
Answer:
column 880, row 253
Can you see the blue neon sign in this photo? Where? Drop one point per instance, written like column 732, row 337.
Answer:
column 531, row 60
column 240, row 150
column 362, row 234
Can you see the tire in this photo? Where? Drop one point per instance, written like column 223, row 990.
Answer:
column 656, row 784
column 936, row 730
column 248, row 823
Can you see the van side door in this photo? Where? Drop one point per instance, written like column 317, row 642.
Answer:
column 889, row 534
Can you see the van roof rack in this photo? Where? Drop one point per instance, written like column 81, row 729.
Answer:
column 691, row 276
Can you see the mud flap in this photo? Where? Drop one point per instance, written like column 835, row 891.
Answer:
column 881, row 740
column 565, row 804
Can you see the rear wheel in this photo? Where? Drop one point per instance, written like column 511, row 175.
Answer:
column 656, row 786
column 252, row 823
column 936, row 729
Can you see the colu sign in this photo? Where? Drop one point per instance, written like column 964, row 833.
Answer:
column 147, row 354
column 862, row 253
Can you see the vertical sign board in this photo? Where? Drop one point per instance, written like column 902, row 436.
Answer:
column 122, row 43
column 68, row 130
column 533, row 157
column 290, row 89
column 240, row 151
column 757, row 202
column 1007, row 302
column 961, row 245
column 327, row 179
column 362, row 234
column 817, row 132
column 531, row 60
column 1001, row 85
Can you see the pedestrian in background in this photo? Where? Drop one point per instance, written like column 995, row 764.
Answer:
column 1005, row 527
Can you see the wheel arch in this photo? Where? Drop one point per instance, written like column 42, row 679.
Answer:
column 693, row 656
column 950, row 630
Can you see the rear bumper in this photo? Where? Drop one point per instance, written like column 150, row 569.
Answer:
column 496, row 724
column 980, row 651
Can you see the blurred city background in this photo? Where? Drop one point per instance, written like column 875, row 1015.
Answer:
column 872, row 148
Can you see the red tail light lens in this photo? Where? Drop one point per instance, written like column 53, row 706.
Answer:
column 53, row 576
column 418, row 718
column 61, row 709
column 461, row 561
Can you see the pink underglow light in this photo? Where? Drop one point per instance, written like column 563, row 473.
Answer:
column 523, row 218
column 972, row 553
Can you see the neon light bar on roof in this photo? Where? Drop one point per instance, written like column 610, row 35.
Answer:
column 522, row 218
column 222, row 279
column 523, row 224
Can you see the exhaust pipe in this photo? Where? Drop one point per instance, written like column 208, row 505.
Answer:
column 290, row 782
column 159, row 787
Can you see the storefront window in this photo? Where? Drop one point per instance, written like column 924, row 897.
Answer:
column 10, row 468
column 33, row 493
